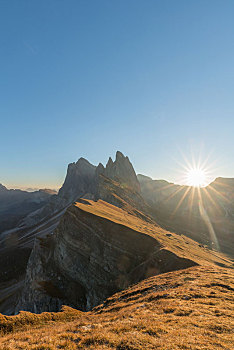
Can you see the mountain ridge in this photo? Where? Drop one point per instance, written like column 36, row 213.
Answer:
column 116, row 184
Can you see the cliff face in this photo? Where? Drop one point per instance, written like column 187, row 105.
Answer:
column 97, row 249
column 85, row 180
column 79, row 181
column 82, row 180
column 122, row 171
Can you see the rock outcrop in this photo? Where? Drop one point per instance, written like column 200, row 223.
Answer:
column 122, row 171
column 97, row 249
column 79, row 181
column 82, row 180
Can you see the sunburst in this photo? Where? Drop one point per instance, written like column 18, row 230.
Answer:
column 196, row 177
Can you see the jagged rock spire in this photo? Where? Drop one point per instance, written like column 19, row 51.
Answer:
column 122, row 170
column 79, row 180
column 82, row 177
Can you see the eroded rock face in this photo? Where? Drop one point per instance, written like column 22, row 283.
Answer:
column 79, row 180
column 85, row 180
column 93, row 254
column 117, row 184
column 121, row 170
column 82, row 180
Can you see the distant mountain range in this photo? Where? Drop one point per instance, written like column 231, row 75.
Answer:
column 204, row 214
column 106, row 229
column 16, row 204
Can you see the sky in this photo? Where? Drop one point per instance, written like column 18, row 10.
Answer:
column 85, row 78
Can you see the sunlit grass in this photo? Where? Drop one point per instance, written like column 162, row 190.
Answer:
column 188, row 309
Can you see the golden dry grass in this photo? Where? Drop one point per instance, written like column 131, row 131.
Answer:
column 179, row 244
column 186, row 309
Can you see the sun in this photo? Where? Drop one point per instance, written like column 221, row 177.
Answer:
column 196, row 177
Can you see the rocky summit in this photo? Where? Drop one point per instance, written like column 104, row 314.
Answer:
column 113, row 183
column 122, row 171
column 79, row 181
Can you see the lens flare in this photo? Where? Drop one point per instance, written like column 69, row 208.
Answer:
column 196, row 192
column 196, row 177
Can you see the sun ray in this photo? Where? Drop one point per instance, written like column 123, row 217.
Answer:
column 205, row 191
column 219, row 194
column 200, row 164
column 197, row 175
column 180, row 202
column 174, row 194
column 166, row 187
column 184, row 166
column 191, row 201
column 207, row 221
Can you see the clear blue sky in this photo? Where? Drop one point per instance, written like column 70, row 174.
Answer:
column 151, row 78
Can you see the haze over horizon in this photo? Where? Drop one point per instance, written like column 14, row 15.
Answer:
column 152, row 79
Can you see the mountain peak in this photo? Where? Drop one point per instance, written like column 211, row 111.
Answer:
column 121, row 170
column 119, row 156
column 79, row 180
column 82, row 176
column 110, row 162
column 82, row 161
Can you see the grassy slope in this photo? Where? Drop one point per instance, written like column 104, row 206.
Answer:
column 178, row 244
column 186, row 309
